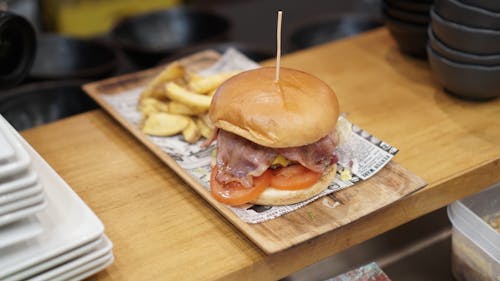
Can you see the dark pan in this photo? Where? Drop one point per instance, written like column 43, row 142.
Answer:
column 60, row 57
column 254, row 52
column 39, row 103
column 150, row 37
column 326, row 29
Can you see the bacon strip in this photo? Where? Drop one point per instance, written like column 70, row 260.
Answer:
column 239, row 159
column 315, row 156
column 212, row 138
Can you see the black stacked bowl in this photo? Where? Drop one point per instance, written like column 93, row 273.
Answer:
column 460, row 12
column 407, row 21
column 461, row 57
column 464, row 49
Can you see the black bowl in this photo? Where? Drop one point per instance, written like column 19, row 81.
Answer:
column 458, row 12
column 467, row 39
column 406, row 16
column 492, row 5
column 35, row 104
column 411, row 38
column 411, row 6
column 468, row 81
column 329, row 28
column 60, row 57
column 150, row 37
column 252, row 51
column 458, row 56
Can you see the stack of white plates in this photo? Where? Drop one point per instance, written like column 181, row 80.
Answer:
column 46, row 231
column 21, row 195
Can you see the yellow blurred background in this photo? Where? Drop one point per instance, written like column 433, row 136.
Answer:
column 87, row 18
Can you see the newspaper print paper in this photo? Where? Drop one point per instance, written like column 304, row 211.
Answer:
column 361, row 152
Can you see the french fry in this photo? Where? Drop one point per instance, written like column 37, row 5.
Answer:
column 151, row 105
column 212, row 93
column 180, row 108
column 177, row 100
column 193, row 78
column 147, row 110
column 155, row 88
column 146, row 102
column 164, row 124
column 191, row 133
column 205, row 130
column 182, row 95
column 209, row 83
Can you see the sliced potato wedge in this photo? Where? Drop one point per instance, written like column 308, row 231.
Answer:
column 205, row 130
column 175, row 107
column 165, row 124
column 191, row 133
column 150, row 105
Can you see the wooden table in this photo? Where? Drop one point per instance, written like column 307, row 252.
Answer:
column 161, row 229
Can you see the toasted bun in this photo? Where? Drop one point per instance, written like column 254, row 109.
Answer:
column 299, row 109
column 272, row 196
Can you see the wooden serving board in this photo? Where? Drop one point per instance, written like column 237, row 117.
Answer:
column 323, row 215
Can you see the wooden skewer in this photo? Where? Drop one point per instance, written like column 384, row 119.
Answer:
column 278, row 46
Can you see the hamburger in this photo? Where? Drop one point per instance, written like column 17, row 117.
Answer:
column 276, row 140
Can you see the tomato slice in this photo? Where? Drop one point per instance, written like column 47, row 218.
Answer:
column 293, row 177
column 234, row 193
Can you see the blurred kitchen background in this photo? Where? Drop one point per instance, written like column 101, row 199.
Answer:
column 251, row 20
column 84, row 40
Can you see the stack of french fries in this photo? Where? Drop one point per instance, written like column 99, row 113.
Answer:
column 177, row 101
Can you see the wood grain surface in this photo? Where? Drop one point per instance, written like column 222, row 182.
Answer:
column 162, row 229
column 391, row 184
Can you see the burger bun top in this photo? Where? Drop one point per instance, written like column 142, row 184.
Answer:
column 298, row 109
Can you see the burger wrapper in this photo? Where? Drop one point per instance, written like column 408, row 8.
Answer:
column 361, row 155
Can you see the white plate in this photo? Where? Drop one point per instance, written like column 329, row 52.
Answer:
column 22, row 203
column 20, row 194
column 6, row 151
column 43, row 266
column 21, row 160
column 102, row 250
column 68, row 222
column 22, row 213
column 19, row 231
column 87, row 270
column 18, row 181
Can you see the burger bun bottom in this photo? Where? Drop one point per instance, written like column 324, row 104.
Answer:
column 272, row 196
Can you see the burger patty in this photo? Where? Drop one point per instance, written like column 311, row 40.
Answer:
column 239, row 159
